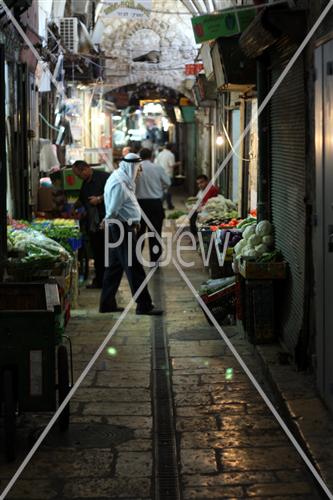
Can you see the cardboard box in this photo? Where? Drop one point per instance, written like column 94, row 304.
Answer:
column 262, row 270
column 46, row 201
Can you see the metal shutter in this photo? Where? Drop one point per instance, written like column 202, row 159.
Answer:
column 287, row 125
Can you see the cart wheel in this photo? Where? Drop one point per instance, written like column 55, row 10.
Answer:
column 63, row 386
column 9, row 413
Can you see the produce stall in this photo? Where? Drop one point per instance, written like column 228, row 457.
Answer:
column 67, row 233
column 258, row 270
column 36, row 252
column 219, row 296
column 217, row 220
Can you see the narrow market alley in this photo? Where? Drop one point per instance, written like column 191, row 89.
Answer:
column 166, row 249
column 165, row 412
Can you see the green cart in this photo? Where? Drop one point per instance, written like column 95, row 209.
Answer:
column 34, row 365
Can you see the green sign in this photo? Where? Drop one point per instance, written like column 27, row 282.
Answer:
column 228, row 23
column 188, row 113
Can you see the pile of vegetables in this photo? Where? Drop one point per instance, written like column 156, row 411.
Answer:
column 246, row 222
column 234, row 237
column 183, row 221
column 216, row 210
column 215, row 285
column 176, row 214
column 225, row 225
column 257, row 240
column 190, row 202
column 19, row 224
column 60, row 230
column 27, row 246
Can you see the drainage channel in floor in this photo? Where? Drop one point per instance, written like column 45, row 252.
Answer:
column 166, row 474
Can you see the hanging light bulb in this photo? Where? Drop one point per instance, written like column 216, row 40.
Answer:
column 219, row 139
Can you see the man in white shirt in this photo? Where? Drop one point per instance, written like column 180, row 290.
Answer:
column 149, row 191
column 122, row 206
column 167, row 160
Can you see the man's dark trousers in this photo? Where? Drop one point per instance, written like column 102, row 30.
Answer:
column 97, row 247
column 153, row 209
column 118, row 264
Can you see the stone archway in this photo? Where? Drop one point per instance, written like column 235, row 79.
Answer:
column 174, row 44
column 143, row 41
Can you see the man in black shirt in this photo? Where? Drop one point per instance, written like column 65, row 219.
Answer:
column 92, row 198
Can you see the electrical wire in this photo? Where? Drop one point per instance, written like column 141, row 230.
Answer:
column 48, row 123
column 231, row 146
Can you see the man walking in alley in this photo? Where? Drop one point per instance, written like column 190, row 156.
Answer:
column 149, row 191
column 123, row 216
column 92, row 198
column 167, row 160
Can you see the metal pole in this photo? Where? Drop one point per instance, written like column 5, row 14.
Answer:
column 208, row 6
column 190, row 7
column 199, row 6
column 3, row 166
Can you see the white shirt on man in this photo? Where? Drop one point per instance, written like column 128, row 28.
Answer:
column 167, row 160
column 152, row 181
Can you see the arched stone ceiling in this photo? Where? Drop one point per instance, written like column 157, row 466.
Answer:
column 166, row 34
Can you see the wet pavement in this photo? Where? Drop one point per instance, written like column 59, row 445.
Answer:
column 226, row 442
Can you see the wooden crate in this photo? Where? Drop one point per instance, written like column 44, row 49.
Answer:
column 262, row 270
column 259, row 318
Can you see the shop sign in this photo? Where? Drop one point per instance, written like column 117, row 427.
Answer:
column 129, row 9
column 184, row 101
column 188, row 113
column 212, row 26
column 206, row 57
column 193, row 69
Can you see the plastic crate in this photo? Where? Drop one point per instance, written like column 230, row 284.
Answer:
column 75, row 243
column 259, row 321
column 221, row 303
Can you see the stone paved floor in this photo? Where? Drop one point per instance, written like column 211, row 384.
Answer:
column 229, row 445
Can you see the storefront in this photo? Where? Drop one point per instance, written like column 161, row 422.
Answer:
column 235, row 81
column 282, row 162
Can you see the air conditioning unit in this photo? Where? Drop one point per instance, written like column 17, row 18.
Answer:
column 69, row 32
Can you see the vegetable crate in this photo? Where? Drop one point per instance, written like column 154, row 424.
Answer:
column 258, row 320
column 221, row 303
column 262, row 270
column 34, row 369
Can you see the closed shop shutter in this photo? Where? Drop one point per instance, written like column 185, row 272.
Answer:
column 287, row 124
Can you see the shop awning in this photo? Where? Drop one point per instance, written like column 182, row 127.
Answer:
column 233, row 70
column 269, row 25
